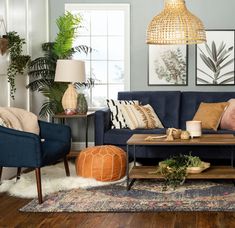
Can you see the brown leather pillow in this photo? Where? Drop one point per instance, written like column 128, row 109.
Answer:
column 210, row 114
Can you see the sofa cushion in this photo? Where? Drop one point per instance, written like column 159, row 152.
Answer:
column 140, row 116
column 116, row 115
column 120, row 136
column 210, row 114
column 190, row 102
column 165, row 103
column 228, row 119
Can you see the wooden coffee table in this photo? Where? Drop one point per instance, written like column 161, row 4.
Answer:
column 214, row 172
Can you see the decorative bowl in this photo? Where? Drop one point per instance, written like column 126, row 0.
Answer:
column 192, row 170
column 195, row 170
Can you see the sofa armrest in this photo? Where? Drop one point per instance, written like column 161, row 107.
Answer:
column 102, row 124
column 19, row 148
column 53, row 131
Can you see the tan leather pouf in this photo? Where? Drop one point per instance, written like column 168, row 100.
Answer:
column 104, row 163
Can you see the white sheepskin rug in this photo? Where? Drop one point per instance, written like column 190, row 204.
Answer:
column 53, row 180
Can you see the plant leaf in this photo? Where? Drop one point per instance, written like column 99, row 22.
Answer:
column 208, row 62
column 221, row 48
column 226, row 81
column 228, row 63
column 205, row 73
column 208, row 51
column 227, row 74
column 222, row 60
column 202, row 80
column 214, row 52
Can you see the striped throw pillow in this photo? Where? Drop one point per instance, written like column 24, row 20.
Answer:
column 116, row 115
column 137, row 116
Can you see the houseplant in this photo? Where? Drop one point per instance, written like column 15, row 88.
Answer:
column 18, row 62
column 42, row 69
column 176, row 168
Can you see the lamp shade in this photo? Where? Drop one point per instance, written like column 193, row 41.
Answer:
column 70, row 71
column 175, row 25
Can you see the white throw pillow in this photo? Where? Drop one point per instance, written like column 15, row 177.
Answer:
column 137, row 116
column 116, row 115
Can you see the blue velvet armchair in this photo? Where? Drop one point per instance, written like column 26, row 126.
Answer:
column 23, row 149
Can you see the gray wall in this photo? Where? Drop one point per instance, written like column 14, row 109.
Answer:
column 215, row 14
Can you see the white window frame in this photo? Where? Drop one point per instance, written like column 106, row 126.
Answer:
column 126, row 8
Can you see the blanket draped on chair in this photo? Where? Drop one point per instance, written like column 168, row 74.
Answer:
column 19, row 119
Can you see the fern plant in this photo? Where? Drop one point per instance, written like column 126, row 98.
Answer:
column 67, row 25
column 42, row 70
column 216, row 59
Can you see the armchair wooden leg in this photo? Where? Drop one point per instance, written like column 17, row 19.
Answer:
column 66, row 166
column 39, row 185
column 0, row 174
column 18, row 173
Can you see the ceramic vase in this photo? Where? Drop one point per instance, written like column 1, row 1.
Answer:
column 82, row 106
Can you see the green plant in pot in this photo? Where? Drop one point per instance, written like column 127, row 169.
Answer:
column 175, row 169
column 42, row 69
column 13, row 43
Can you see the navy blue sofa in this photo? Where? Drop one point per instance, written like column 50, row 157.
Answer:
column 173, row 108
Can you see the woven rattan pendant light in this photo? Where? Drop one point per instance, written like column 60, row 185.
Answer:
column 175, row 25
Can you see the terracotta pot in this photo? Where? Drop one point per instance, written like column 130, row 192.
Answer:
column 3, row 45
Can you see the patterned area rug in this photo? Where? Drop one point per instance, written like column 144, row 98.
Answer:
column 145, row 196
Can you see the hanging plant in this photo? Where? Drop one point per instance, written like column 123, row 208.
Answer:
column 18, row 62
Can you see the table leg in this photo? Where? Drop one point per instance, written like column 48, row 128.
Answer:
column 86, row 136
column 134, row 156
column 127, row 168
column 232, row 157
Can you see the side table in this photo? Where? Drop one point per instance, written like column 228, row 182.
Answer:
column 61, row 117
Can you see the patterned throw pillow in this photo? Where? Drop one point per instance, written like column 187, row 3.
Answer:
column 116, row 116
column 137, row 116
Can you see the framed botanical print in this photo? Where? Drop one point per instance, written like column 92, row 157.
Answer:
column 215, row 59
column 168, row 65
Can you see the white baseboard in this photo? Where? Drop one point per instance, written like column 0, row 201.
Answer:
column 81, row 145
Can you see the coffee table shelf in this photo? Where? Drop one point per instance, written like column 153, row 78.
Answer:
column 214, row 172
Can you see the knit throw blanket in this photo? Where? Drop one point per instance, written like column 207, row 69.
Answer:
column 19, row 119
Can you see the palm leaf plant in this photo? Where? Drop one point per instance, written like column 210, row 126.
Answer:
column 216, row 59
column 42, row 69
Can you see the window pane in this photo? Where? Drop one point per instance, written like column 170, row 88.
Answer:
column 113, row 91
column 82, row 40
column 98, row 22
column 116, row 23
column 84, row 29
column 116, row 48
column 99, row 95
column 99, row 71
column 116, row 72
column 87, row 69
column 99, row 45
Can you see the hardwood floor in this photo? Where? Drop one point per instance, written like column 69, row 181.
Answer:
column 11, row 217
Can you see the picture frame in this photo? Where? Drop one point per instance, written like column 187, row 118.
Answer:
column 168, row 65
column 215, row 60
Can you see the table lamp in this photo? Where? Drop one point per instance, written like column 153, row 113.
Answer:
column 68, row 70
